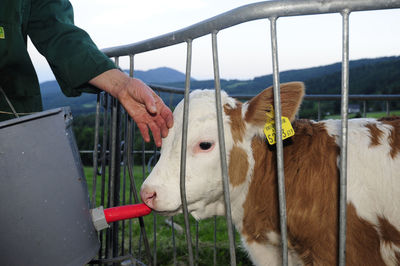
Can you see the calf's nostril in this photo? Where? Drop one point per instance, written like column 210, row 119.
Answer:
column 148, row 197
column 153, row 196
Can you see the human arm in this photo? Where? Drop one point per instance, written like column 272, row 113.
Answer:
column 75, row 60
column 72, row 55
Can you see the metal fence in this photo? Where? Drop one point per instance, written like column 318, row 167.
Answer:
column 118, row 128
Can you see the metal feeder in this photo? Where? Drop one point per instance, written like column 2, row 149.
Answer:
column 45, row 217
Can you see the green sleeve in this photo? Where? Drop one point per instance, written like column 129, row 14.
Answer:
column 70, row 52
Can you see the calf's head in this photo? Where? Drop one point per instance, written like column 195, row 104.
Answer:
column 204, row 190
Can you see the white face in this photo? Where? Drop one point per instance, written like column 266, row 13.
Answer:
column 204, row 193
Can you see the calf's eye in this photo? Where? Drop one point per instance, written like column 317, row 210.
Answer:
column 205, row 145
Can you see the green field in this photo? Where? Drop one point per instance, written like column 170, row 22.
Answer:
column 205, row 252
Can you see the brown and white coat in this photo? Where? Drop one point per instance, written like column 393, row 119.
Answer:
column 311, row 160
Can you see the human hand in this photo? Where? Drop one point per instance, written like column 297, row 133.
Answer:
column 144, row 106
column 147, row 109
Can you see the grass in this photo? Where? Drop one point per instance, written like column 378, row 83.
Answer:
column 163, row 232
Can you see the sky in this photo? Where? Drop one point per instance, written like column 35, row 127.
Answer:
column 244, row 50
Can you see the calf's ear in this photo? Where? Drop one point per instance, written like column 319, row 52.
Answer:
column 291, row 97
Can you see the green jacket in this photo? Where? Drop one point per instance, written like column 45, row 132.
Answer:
column 71, row 54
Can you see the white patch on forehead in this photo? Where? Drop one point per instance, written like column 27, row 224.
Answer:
column 202, row 117
column 201, row 108
column 204, row 101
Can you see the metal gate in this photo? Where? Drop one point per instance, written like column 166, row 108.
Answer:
column 116, row 153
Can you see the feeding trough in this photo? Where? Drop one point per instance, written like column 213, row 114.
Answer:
column 45, row 217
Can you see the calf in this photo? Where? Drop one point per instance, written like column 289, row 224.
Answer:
column 311, row 160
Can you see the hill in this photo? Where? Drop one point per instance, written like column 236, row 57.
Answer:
column 321, row 79
column 160, row 75
column 367, row 76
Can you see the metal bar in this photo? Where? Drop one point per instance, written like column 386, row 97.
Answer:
column 246, row 13
column 143, row 177
column 279, row 142
column 196, row 257
column 133, row 189
column 155, row 218
column 319, row 110
column 130, row 161
column 131, row 65
column 116, row 168
column 343, row 140
column 126, row 162
column 113, row 140
column 387, row 108
column 134, row 192
column 215, row 242
column 163, row 88
column 354, row 97
column 184, row 151
column 131, row 193
column 173, row 240
column 334, row 97
column 95, row 151
column 170, row 100
column 130, row 202
column 126, row 117
column 111, row 177
column 222, row 149
column 103, row 164
column 364, row 108
column 110, row 182
column 311, row 97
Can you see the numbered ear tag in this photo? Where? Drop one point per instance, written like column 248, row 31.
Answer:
column 269, row 128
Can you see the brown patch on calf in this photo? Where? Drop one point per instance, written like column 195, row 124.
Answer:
column 362, row 240
column 311, row 180
column 394, row 137
column 375, row 134
column 237, row 124
column 238, row 166
column 291, row 97
column 389, row 233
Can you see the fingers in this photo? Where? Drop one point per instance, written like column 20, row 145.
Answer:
column 155, row 130
column 162, row 125
column 144, row 120
column 143, row 130
column 150, row 103
column 166, row 114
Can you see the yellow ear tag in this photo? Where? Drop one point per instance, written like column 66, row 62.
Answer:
column 269, row 127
